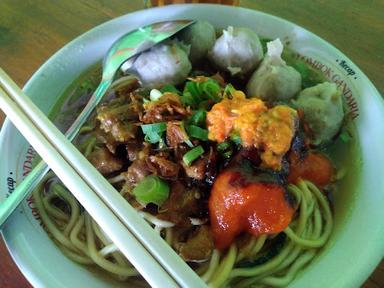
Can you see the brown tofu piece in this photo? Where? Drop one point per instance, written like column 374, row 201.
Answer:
column 199, row 246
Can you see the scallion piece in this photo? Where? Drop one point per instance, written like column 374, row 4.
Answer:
column 187, row 99
column 228, row 90
column 186, row 141
column 153, row 132
column 155, row 127
column 197, row 132
column 193, row 89
column 171, row 89
column 227, row 154
column 192, row 155
column 155, row 95
column 211, row 89
column 235, row 139
column 151, row 189
column 198, row 118
column 225, row 149
column 152, row 138
column 189, row 143
column 223, row 146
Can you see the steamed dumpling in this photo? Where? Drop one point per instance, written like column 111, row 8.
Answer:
column 162, row 64
column 274, row 80
column 322, row 107
column 200, row 37
column 238, row 51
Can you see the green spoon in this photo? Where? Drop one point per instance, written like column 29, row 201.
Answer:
column 120, row 52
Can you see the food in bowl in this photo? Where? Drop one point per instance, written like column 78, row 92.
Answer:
column 239, row 184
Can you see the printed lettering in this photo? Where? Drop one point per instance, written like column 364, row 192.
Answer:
column 11, row 184
column 345, row 66
column 27, row 164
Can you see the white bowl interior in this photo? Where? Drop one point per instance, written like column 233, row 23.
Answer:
column 356, row 246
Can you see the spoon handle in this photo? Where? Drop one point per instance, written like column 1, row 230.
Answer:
column 30, row 182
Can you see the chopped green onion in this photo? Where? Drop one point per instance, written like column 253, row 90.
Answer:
column 206, row 105
column 223, row 146
column 186, row 141
column 197, row 132
column 228, row 90
column 151, row 189
column 171, row 89
column 155, row 127
column 225, row 149
column 187, row 99
column 162, row 144
column 197, row 92
column 154, row 132
column 192, row 155
column 211, row 89
column 155, row 95
column 152, row 138
column 235, row 139
column 189, row 143
column 198, row 118
column 227, row 154
column 193, row 89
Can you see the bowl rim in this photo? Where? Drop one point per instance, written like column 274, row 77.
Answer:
column 358, row 277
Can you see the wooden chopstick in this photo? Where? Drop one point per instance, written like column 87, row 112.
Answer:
column 83, row 171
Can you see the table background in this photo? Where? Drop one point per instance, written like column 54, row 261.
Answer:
column 32, row 30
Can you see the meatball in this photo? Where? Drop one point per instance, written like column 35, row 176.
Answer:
column 322, row 107
column 163, row 64
column 238, row 51
column 274, row 80
column 200, row 37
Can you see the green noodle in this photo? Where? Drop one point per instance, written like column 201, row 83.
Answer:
column 82, row 240
column 213, row 264
column 79, row 235
column 224, row 268
column 98, row 259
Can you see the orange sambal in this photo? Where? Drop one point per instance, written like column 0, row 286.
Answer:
column 269, row 130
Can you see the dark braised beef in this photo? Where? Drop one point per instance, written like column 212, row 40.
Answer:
column 182, row 203
column 175, row 134
column 136, row 172
column 117, row 117
column 133, row 149
column 163, row 167
column 107, row 139
column 104, row 161
column 167, row 108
